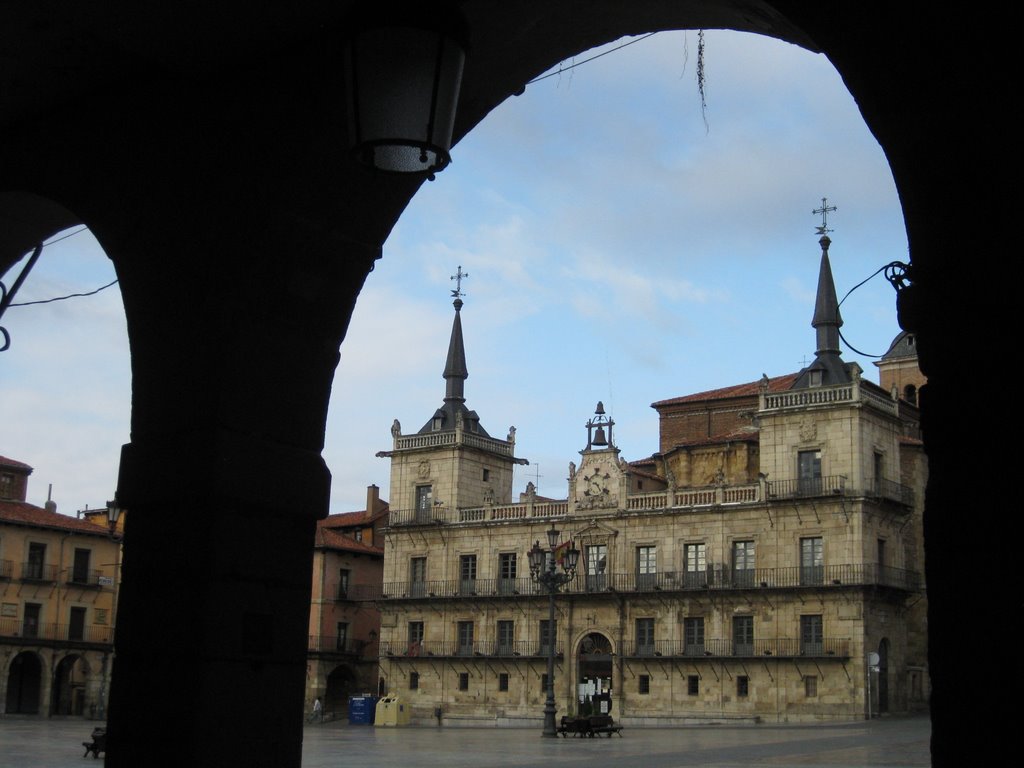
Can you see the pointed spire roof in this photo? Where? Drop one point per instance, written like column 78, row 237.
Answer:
column 455, row 374
column 828, row 367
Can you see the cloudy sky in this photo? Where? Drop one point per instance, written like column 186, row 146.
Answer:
column 617, row 248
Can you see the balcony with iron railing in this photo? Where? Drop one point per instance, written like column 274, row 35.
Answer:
column 40, row 572
column 20, row 629
column 826, row 648
column 679, row 499
column 6, row 569
column 714, row 578
column 346, row 646
column 85, row 578
column 525, row 649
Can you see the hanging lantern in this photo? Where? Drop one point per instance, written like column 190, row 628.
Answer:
column 403, row 87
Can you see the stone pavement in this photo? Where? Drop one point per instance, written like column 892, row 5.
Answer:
column 896, row 741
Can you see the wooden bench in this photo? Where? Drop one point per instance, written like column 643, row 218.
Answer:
column 98, row 743
column 594, row 725
column 603, row 724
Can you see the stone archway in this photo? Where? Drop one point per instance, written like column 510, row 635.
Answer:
column 341, row 683
column 594, row 673
column 24, row 684
column 68, row 692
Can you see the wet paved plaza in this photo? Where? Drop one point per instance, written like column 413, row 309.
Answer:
column 35, row 743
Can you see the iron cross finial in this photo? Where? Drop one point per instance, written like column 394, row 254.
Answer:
column 457, row 277
column 824, row 211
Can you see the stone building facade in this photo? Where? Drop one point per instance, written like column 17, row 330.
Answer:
column 765, row 564
column 348, row 557
column 58, row 590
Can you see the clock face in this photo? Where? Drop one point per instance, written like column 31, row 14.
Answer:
column 596, row 483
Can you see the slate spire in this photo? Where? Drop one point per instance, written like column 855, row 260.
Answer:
column 455, row 373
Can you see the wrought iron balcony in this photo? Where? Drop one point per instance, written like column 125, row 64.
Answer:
column 715, row 577
column 93, row 634
column 348, row 646
column 525, row 649
column 6, row 569
column 827, row 648
column 85, row 578
column 42, row 572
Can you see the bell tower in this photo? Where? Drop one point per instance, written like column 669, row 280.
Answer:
column 451, row 462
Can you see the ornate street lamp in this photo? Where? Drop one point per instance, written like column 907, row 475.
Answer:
column 544, row 571
column 403, row 75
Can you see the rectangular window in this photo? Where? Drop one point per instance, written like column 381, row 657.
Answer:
column 465, row 635
column 506, row 637
column 693, row 635
column 812, row 636
column 487, row 475
column 645, row 637
column 646, row 567
column 812, row 560
column 548, row 636
column 810, row 686
column 76, row 624
column 644, row 684
column 507, row 573
column 30, row 621
column 881, row 556
column 467, row 574
column 80, row 567
column 463, row 681
column 342, row 644
column 36, row 559
column 418, row 576
column 692, row 685
column 503, row 681
column 344, row 574
column 742, row 686
column 596, row 562
column 743, row 635
column 544, row 683
column 695, row 565
column 743, row 563
column 424, row 503
column 415, row 638
column 809, row 473
column 414, row 681
column 878, row 473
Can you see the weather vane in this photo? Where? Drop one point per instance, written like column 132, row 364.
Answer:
column 824, row 211
column 457, row 277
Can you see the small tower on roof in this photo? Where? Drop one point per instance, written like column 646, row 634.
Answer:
column 828, row 367
column 451, row 462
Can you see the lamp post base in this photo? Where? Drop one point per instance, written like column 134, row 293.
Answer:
column 549, row 719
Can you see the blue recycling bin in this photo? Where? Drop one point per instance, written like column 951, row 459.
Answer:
column 361, row 709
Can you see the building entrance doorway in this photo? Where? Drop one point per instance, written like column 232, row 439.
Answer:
column 24, row 682
column 883, row 676
column 68, row 695
column 594, row 675
column 341, row 684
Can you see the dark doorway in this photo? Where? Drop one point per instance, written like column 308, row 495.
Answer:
column 594, row 674
column 68, row 697
column 341, row 684
column 883, row 676
column 23, row 685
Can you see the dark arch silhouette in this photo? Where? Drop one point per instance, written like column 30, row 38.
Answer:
column 207, row 154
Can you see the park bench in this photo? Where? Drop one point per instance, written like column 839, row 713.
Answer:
column 594, row 725
column 98, row 743
column 600, row 724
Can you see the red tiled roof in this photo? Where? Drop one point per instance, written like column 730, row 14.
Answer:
column 635, row 471
column 329, row 539
column 776, row 384
column 351, row 519
column 22, row 513
column 4, row 461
